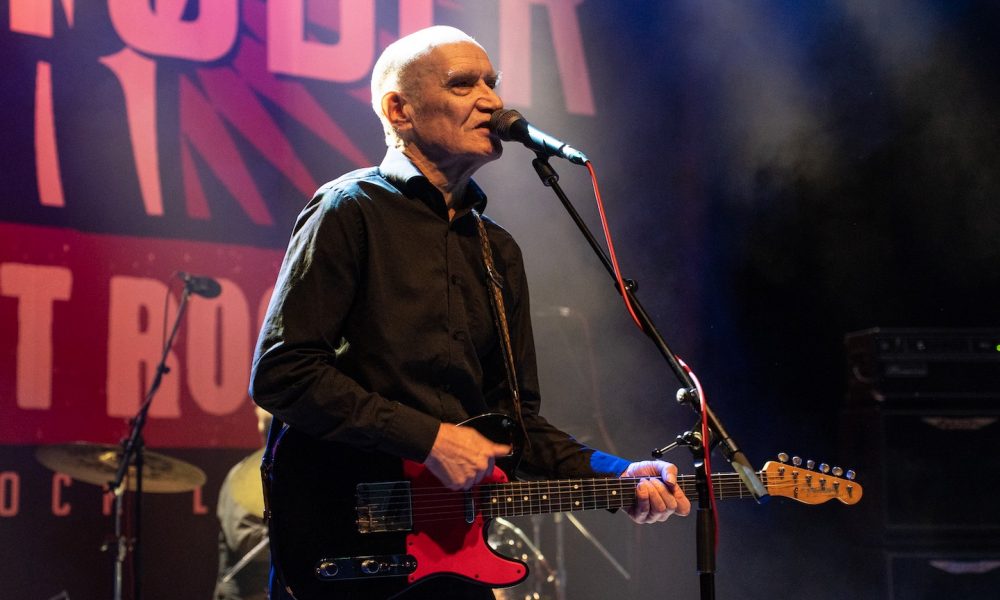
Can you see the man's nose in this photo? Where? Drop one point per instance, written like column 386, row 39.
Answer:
column 489, row 101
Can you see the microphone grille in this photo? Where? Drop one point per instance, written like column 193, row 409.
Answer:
column 502, row 120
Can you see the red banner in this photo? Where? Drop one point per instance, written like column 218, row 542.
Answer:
column 83, row 320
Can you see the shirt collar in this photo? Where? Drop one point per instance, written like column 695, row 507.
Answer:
column 402, row 173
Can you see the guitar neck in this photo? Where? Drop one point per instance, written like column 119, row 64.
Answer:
column 543, row 497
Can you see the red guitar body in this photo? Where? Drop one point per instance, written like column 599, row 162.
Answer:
column 336, row 532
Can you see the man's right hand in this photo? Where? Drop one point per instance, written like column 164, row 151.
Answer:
column 461, row 456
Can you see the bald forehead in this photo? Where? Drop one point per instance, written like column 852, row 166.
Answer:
column 453, row 60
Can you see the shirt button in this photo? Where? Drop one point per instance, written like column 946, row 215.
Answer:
column 458, row 335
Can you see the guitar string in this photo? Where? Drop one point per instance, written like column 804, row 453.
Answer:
column 428, row 495
column 563, row 485
column 600, row 486
column 522, row 503
column 518, row 506
column 445, row 512
column 531, row 489
column 494, row 511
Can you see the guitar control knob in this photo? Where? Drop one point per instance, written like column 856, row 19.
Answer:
column 825, row 468
column 327, row 569
column 810, row 464
column 851, row 475
column 783, row 457
column 370, row 566
column 797, row 461
column 837, row 471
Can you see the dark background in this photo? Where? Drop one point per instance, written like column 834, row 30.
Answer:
column 776, row 173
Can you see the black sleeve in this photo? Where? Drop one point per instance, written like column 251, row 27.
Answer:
column 295, row 374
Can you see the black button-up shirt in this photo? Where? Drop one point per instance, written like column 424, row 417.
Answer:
column 380, row 325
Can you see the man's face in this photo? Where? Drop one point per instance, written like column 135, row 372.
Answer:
column 451, row 99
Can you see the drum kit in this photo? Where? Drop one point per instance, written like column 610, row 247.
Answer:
column 104, row 465
column 98, row 464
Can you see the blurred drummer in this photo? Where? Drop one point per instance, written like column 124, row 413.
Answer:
column 243, row 527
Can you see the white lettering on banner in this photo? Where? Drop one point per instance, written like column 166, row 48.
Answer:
column 36, row 288
column 265, row 300
column 48, row 175
column 352, row 57
column 347, row 60
column 159, row 27
column 59, row 481
column 137, row 76
column 197, row 505
column 135, row 347
column 218, row 336
column 107, row 502
column 166, row 28
column 10, row 494
column 515, row 53
column 34, row 17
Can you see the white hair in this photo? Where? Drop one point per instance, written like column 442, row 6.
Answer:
column 391, row 71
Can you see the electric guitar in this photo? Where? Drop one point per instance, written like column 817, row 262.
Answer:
column 346, row 523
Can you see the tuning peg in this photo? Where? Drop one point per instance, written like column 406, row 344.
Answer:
column 837, row 471
column 783, row 457
column 810, row 464
column 851, row 474
column 824, row 468
column 797, row 461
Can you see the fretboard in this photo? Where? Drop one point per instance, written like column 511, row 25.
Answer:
column 565, row 495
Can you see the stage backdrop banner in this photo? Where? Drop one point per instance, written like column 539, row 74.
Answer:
column 143, row 140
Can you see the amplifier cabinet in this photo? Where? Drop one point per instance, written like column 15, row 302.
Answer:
column 931, row 474
column 941, row 470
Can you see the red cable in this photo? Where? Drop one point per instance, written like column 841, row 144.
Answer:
column 705, row 440
column 611, row 246
column 697, row 384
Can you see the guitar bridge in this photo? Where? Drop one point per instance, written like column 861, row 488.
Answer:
column 384, row 507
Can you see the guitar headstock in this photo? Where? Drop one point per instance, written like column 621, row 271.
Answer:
column 804, row 483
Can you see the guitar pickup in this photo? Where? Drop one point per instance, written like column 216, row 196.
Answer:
column 384, row 507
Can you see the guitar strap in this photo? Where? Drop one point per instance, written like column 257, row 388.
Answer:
column 495, row 284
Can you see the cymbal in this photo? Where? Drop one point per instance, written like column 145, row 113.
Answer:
column 98, row 464
column 245, row 484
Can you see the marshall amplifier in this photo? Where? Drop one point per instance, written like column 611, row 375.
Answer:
column 914, row 365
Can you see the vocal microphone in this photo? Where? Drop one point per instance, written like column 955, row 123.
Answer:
column 203, row 286
column 510, row 125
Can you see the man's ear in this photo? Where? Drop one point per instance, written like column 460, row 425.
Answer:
column 394, row 107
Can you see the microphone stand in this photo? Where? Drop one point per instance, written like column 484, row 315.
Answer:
column 133, row 449
column 688, row 394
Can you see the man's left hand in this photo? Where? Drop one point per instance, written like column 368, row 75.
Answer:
column 657, row 495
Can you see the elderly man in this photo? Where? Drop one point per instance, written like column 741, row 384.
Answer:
column 381, row 335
